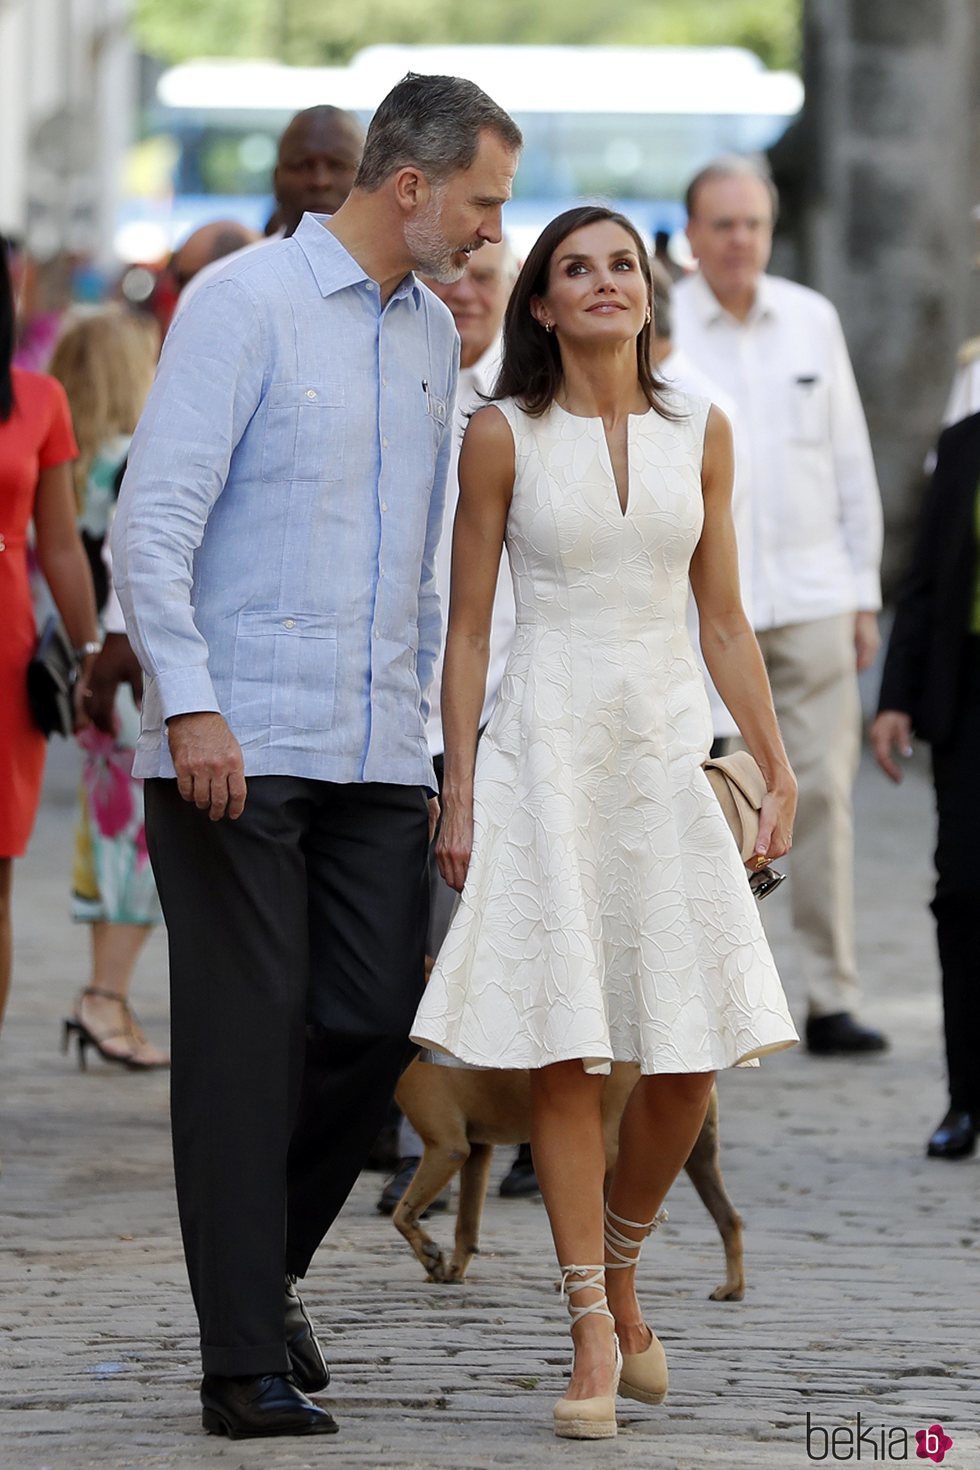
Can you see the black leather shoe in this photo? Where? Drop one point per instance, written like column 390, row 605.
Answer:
column 309, row 1369
column 840, row 1035
column 521, row 1181
column 397, row 1185
column 955, row 1138
column 257, row 1408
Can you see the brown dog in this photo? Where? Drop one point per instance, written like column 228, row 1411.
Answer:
column 461, row 1113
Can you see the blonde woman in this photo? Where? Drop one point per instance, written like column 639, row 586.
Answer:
column 105, row 361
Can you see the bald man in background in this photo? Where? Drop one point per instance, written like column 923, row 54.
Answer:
column 315, row 167
column 207, row 246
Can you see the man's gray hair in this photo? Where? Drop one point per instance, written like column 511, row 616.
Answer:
column 434, row 124
column 732, row 166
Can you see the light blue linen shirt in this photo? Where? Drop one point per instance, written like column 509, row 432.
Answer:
column 274, row 545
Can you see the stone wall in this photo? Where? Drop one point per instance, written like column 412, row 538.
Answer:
column 884, row 173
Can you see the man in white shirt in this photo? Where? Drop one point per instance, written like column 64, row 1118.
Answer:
column 477, row 301
column 676, row 369
column 778, row 349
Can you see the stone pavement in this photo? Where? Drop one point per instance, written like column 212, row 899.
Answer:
column 862, row 1257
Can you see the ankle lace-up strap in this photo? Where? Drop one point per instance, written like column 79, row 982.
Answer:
column 593, row 1282
column 618, row 1244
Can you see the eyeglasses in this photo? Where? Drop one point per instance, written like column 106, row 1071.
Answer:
column 764, row 881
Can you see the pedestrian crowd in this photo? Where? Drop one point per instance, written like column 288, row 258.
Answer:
column 409, row 589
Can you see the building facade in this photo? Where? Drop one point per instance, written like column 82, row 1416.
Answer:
column 67, row 109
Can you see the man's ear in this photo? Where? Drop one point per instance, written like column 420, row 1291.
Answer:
column 412, row 189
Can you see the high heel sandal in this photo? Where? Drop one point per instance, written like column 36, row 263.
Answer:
column 644, row 1376
column 593, row 1418
column 75, row 1029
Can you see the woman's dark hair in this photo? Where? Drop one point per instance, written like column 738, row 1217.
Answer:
column 6, row 334
column 530, row 368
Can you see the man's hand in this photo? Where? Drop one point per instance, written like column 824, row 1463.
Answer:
column 116, row 664
column 433, row 817
column 208, row 762
column 867, row 639
column 891, row 731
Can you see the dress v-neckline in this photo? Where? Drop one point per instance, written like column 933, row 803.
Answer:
column 582, row 418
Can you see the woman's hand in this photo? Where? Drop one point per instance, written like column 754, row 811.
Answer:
column 775, row 823
column 117, row 664
column 455, row 841
column 81, row 694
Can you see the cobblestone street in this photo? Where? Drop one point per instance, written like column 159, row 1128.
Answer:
column 862, row 1256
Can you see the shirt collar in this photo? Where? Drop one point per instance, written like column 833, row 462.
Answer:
column 710, row 309
column 333, row 267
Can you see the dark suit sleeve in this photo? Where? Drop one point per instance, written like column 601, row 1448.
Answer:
column 908, row 646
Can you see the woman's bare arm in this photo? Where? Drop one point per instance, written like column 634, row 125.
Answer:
column 728, row 643
column 62, row 559
column 486, row 483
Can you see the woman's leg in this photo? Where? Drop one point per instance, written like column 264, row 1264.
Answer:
column 570, row 1160
column 6, row 931
column 660, row 1124
column 115, row 950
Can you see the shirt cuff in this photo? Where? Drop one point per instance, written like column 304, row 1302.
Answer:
column 868, row 586
column 186, row 692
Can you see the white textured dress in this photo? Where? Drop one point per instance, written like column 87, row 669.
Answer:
column 606, row 913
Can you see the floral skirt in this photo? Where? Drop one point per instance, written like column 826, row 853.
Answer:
column 112, row 881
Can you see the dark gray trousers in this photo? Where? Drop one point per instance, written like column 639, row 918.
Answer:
column 297, row 942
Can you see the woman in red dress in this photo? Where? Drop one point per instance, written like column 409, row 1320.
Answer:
column 36, row 450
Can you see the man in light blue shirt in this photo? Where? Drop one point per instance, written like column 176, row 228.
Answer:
column 273, row 554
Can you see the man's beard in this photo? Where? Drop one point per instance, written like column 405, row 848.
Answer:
column 432, row 253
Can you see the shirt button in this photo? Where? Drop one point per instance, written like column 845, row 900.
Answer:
column 289, row 623
column 385, row 443
column 311, row 392
column 376, row 633
column 384, row 505
column 384, row 382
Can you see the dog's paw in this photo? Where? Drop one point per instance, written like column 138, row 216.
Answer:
column 434, row 1261
column 727, row 1293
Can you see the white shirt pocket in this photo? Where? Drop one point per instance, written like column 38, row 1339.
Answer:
column 809, row 419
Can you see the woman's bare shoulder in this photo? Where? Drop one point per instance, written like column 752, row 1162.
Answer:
column 489, row 425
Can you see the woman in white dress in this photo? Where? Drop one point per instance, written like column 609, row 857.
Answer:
column 605, row 912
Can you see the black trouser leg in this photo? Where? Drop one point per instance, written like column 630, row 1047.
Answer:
column 234, row 895
column 366, row 863
column 958, row 937
column 957, row 903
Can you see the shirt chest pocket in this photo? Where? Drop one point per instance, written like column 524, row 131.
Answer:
column 809, row 417
column 305, row 432
column 436, row 414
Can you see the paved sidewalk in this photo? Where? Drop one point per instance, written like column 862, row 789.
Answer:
column 862, row 1257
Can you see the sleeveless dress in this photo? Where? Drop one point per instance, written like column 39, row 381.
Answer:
column 36, row 437
column 606, row 913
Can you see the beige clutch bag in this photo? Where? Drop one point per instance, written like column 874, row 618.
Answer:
column 740, row 787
